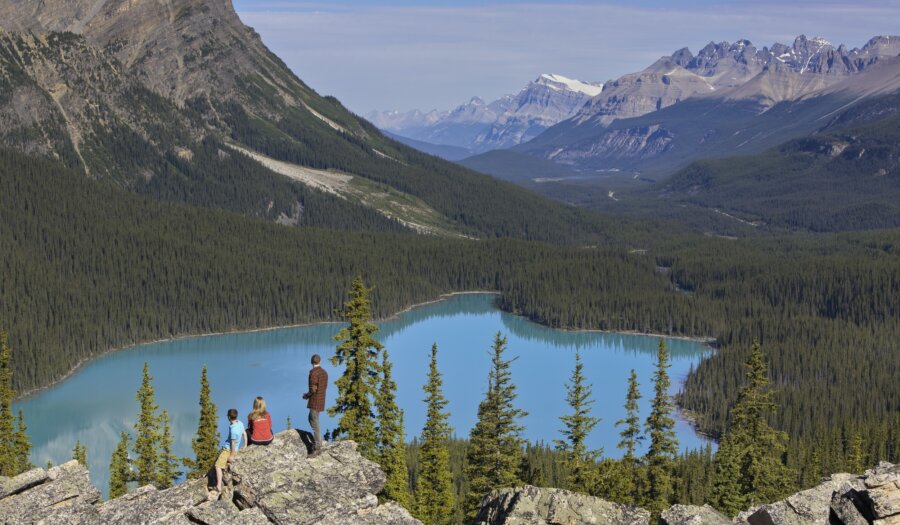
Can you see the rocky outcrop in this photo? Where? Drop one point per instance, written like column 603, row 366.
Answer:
column 277, row 484
column 693, row 515
column 842, row 499
column 544, row 506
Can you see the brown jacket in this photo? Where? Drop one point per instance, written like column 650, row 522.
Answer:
column 318, row 382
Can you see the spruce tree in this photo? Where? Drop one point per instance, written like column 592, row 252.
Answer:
column 147, row 434
column 750, row 465
column 358, row 352
column 628, row 475
column 9, row 458
column 168, row 470
column 79, row 454
column 663, row 447
column 434, row 486
column 119, row 469
column 390, row 438
column 856, row 459
column 495, row 442
column 22, row 445
column 206, row 442
column 580, row 462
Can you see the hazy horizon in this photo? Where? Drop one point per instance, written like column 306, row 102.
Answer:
column 437, row 54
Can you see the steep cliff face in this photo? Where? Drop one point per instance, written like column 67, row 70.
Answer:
column 277, row 484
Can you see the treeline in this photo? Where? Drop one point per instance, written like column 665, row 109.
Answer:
column 88, row 267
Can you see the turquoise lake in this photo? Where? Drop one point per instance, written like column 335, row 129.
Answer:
column 98, row 402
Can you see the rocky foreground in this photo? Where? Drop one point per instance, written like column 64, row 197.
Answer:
column 280, row 484
column 842, row 499
column 275, row 484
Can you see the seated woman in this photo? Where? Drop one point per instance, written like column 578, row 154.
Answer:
column 259, row 423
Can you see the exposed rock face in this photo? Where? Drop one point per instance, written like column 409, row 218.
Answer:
column 693, row 515
column 842, row 499
column 542, row 506
column 276, row 484
column 808, row 506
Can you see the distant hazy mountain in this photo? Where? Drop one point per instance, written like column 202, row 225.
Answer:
column 510, row 120
column 728, row 99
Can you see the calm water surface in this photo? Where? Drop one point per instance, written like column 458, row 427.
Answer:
column 97, row 403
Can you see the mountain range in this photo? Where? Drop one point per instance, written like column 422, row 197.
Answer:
column 729, row 99
column 477, row 126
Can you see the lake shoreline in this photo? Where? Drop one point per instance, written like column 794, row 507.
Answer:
column 443, row 297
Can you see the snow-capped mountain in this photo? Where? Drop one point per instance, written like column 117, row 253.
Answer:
column 729, row 98
column 735, row 71
column 542, row 103
column 510, row 120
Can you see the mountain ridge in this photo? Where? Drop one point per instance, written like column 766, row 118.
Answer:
column 479, row 126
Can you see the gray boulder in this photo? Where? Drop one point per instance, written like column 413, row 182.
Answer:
column 807, row 507
column 693, row 515
column 59, row 495
column 546, row 506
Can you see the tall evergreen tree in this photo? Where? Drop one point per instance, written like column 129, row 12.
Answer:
column 434, row 486
column 79, row 454
column 358, row 352
column 22, row 444
column 147, row 434
column 580, row 462
column 168, row 470
column 750, row 466
column 9, row 459
column 206, row 443
column 856, row 459
column 630, row 438
column 663, row 447
column 495, row 448
column 390, row 438
column 119, row 468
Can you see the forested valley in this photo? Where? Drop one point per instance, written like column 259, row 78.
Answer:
column 88, row 267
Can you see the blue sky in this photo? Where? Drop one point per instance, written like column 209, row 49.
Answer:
column 429, row 54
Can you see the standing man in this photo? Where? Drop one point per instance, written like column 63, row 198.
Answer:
column 318, row 382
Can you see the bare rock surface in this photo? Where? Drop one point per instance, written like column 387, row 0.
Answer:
column 546, row 506
column 277, row 484
column 693, row 515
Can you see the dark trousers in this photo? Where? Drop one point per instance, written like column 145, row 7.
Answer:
column 314, row 425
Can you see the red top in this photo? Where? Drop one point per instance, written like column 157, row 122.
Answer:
column 260, row 429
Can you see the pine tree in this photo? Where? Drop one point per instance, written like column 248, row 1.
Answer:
column 22, row 444
column 79, row 454
column 390, row 438
column 9, row 459
column 358, row 352
column 580, row 462
column 434, row 486
column 495, row 448
column 750, row 465
column 119, row 469
column 147, row 432
column 206, row 443
column 168, row 470
column 627, row 482
column 663, row 447
column 856, row 459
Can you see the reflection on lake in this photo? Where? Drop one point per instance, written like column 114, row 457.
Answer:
column 97, row 403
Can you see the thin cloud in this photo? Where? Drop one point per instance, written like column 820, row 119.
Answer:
column 437, row 56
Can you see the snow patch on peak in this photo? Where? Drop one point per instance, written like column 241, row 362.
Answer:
column 560, row 82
